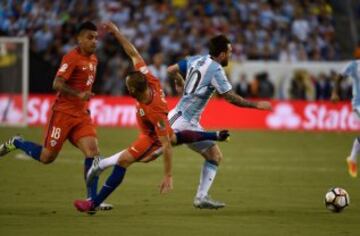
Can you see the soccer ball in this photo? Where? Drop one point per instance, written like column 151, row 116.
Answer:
column 336, row 199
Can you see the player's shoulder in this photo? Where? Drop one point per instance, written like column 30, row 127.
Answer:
column 216, row 67
column 71, row 56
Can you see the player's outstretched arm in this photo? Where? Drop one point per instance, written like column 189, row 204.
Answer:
column 174, row 73
column 60, row 86
column 239, row 101
column 166, row 184
column 335, row 91
column 128, row 47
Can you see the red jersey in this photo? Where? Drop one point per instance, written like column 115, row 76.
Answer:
column 79, row 73
column 152, row 117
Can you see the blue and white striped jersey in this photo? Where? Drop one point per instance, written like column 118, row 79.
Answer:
column 352, row 70
column 204, row 76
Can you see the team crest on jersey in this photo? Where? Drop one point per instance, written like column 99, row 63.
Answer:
column 141, row 112
column 53, row 143
column 63, row 68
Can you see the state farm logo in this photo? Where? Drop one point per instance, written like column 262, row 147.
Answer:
column 283, row 116
column 312, row 116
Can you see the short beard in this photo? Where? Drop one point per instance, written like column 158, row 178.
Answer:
column 224, row 63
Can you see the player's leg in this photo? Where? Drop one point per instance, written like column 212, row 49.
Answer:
column 186, row 136
column 191, row 136
column 212, row 154
column 55, row 135
column 83, row 136
column 142, row 148
column 213, row 157
column 139, row 149
column 352, row 159
column 112, row 182
column 355, row 150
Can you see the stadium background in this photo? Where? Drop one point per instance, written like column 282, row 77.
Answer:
column 272, row 181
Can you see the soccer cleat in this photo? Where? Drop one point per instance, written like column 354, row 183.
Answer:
column 8, row 146
column 85, row 206
column 105, row 207
column 94, row 171
column 207, row 203
column 352, row 167
column 223, row 135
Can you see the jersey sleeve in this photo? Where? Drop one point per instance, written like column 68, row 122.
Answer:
column 142, row 67
column 182, row 66
column 220, row 82
column 67, row 66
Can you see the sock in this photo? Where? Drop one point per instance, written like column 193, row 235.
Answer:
column 109, row 161
column 355, row 150
column 91, row 189
column 190, row 136
column 207, row 177
column 30, row 148
column 113, row 181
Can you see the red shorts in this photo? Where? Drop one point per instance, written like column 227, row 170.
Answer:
column 62, row 126
column 144, row 146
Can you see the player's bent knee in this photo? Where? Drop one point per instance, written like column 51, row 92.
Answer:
column 48, row 157
column 213, row 155
column 125, row 159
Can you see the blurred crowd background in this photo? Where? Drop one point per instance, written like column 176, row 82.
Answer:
column 166, row 31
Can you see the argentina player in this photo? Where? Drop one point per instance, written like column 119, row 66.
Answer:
column 352, row 71
column 205, row 76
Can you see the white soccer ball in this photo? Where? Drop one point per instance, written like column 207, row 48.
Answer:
column 336, row 199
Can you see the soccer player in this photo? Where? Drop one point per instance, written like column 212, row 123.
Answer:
column 70, row 117
column 351, row 70
column 204, row 76
column 156, row 134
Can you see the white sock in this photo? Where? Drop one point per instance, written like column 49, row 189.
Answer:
column 110, row 161
column 207, row 177
column 355, row 150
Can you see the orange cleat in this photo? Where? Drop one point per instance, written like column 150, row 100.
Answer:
column 352, row 167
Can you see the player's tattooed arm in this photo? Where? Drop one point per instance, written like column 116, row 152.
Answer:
column 60, row 86
column 239, row 101
column 174, row 73
column 335, row 91
column 128, row 47
column 166, row 184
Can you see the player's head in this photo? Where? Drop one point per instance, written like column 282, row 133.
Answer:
column 87, row 37
column 136, row 83
column 220, row 49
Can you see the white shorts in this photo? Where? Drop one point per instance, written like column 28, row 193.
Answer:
column 178, row 123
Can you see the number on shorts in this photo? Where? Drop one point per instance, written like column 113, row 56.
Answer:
column 55, row 133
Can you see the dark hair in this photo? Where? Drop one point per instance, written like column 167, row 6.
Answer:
column 87, row 25
column 137, row 80
column 218, row 44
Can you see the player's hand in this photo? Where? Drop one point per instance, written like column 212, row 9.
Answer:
column 334, row 97
column 85, row 96
column 166, row 184
column 264, row 106
column 111, row 27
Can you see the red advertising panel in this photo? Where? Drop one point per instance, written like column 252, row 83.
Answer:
column 286, row 115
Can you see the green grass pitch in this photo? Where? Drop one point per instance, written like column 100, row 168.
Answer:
column 273, row 183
